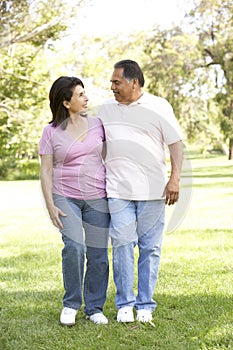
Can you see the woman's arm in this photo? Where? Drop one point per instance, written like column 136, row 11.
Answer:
column 46, row 175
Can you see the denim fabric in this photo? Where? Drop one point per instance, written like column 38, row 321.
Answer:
column 85, row 236
column 136, row 223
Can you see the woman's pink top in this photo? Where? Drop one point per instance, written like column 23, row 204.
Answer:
column 78, row 170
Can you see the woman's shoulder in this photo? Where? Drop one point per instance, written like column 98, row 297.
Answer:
column 49, row 130
column 49, row 127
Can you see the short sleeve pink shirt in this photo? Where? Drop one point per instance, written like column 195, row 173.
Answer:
column 78, row 170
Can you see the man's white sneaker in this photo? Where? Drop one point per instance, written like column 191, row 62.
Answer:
column 98, row 318
column 67, row 317
column 125, row 314
column 144, row 315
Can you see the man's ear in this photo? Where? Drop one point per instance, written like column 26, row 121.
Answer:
column 66, row 104
column 135, row 83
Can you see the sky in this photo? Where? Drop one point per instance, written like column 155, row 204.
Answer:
column 112, row 16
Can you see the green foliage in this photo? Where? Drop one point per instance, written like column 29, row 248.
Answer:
column 227, row 113
column 191, row 66
column 26, row 27
column 24, row 169
column 23, row 97
column 169, row 61
column 213, row 23
column 34, row 21
column 172, row 70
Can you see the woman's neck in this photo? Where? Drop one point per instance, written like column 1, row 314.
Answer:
column 76, row 119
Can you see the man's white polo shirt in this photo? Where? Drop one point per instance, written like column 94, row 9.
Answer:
column 136, row 136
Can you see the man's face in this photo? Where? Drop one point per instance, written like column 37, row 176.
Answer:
column 123, row 89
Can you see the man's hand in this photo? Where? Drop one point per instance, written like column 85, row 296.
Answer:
column 171, row 192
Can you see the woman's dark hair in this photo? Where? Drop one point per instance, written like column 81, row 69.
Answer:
column 131, row 71
column 62, row 90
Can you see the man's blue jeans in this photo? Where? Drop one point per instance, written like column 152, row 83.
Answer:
column 141, row 223
column 85, row 235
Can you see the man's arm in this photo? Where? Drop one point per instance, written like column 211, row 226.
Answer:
column 171, row 191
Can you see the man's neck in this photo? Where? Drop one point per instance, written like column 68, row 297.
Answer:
column 134, row 98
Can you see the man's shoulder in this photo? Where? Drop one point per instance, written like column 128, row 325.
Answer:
column 157, row 103
column 107, row 107
column 148, row 97
column 108, row 102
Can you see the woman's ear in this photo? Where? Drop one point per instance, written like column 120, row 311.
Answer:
column 66, row 104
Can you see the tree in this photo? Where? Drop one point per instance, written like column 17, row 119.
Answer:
column 169, row 66
column 26, row 27
column 212, row 20
column 33, row 21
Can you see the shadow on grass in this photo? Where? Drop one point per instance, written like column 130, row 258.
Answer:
column 204, row 316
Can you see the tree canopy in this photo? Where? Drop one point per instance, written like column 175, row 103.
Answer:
column 25, row 28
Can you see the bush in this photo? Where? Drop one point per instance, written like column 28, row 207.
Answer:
column 26, row 169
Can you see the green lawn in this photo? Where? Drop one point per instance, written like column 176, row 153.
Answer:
column 194, row 292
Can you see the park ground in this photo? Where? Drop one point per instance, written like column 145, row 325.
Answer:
column 194, row 293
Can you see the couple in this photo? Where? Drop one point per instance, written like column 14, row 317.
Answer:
column 135, row 125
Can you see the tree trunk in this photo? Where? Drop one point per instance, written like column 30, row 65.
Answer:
column 230, row 156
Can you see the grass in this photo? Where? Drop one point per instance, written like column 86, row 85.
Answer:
column 194, row 290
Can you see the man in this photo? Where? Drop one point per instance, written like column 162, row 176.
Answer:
column 137, row 126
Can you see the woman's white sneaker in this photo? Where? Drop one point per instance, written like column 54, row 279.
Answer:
column 98, row 318
column 125, row 314
column 67, row 317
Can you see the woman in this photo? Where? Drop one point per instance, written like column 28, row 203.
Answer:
column 73, row 185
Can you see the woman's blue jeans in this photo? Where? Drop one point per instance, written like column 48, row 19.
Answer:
column 85, row 236
column 141, row 223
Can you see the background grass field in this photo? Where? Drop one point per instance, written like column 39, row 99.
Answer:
column 194, row 292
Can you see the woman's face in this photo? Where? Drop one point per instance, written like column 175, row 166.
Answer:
column 78, row 102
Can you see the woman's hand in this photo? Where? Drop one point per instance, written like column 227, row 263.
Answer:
column 55, row 214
